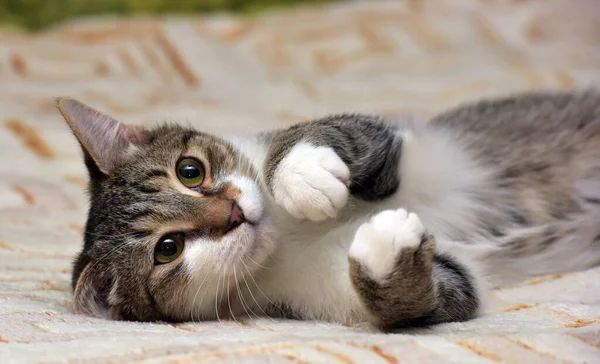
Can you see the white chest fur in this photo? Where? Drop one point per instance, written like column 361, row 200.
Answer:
column 310, row 272
column 309, row 269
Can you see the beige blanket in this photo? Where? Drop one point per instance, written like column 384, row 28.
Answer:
column 227, row 75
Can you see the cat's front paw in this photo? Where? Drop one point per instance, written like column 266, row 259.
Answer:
column 392, row 241
column 311, row 182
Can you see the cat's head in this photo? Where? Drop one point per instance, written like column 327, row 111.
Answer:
column 175, row 217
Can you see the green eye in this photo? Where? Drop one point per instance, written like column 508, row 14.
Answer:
column 190, row 172
column 168, row 249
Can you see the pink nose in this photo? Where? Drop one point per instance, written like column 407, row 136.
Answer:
column 237, row 216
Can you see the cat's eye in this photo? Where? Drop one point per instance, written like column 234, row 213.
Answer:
column 168, row 249
column 190, row 172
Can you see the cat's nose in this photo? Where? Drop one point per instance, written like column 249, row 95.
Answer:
column 237, row 216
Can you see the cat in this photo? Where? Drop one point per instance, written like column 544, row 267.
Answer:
column 348, row 218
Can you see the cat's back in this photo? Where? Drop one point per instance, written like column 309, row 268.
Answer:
column 544, row 146
column 530, row 127
column 524, row 109
column 532, row 117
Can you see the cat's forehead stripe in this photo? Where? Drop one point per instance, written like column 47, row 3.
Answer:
column 187, row 136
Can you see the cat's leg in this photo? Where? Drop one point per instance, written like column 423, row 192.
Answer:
column 312, row 168
column 400, row 278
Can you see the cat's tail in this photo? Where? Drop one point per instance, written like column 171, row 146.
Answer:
column 562, row 246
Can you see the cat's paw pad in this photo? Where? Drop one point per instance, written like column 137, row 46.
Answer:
column 379, row 242
column 311, row 182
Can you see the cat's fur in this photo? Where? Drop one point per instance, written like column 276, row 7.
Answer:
column 496, row 191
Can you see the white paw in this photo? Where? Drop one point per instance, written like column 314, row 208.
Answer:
column 311, row 182
column 378, row 242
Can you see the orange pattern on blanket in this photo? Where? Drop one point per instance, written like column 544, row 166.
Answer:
column 227, row 74
column 30, row 137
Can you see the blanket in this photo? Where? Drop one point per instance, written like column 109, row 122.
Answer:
column 225, row 74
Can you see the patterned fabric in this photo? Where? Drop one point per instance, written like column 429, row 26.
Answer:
column 227, row 75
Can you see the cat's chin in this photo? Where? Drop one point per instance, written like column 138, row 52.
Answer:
column 249, row 245
column 235, row 261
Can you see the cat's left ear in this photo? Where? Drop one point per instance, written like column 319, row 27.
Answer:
column 104, row 140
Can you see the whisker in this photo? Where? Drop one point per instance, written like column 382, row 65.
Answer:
column 254, row 261
column 249, row 161
column 112, row 251
column 217, row 299
column 356, row 182
column 256, row 284
column 242, row 299
column 109, row 235
column 196, row 296
column 239, row 160
column 254, row 298
column 228, row 298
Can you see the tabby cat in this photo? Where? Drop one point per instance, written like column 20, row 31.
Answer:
column 348, row 218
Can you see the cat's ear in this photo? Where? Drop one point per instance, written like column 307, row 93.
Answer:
column 104, row 140
column 92, row 295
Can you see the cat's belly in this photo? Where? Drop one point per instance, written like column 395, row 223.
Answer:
column 310, row 276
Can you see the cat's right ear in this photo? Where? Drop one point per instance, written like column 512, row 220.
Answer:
column 104, row 140
column 92, row 294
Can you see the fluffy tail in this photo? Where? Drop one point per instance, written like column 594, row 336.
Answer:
column 563, row 246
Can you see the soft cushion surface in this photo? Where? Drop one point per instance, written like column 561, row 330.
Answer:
column 233, row 75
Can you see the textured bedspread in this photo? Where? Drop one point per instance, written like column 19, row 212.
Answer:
column 228, row 75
